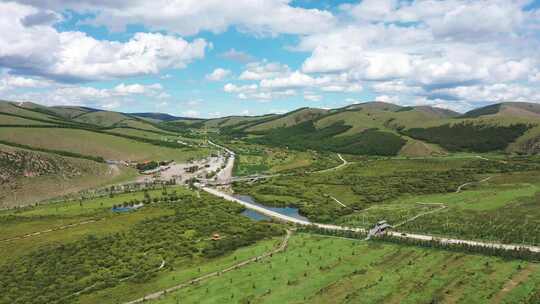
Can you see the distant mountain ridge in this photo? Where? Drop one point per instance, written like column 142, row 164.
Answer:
column 408, row 130
column 160, row 116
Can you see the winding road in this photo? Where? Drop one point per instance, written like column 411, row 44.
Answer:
column 470, row 183
column 225, row 178
column 398, row 234
column 344, row 163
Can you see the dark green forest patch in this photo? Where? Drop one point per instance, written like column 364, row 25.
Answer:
column 470, row 137
column 305, row 136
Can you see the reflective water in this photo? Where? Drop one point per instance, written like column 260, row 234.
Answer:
column 289, row 211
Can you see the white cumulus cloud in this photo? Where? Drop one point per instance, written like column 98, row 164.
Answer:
column 218, row 74
column 71, row 55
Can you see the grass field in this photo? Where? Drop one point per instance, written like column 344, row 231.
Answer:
column 330, row 270
column 188, row 271
column 91, row 143
column 13, row 120
column 256, row 159
column 288, row 120
column 141, row 133
column 117, row 253
column 503, row 208
column 20, row 222
column 101, row 118
column 313, row 269
column 39, row 176
column 12, row 109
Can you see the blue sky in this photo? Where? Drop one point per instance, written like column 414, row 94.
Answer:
column 214, row 58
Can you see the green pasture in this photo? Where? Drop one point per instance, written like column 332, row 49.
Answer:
column 98, row 144
column 332, row 270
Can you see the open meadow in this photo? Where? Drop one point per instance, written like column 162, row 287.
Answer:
column 99, row 144
column 317, row 269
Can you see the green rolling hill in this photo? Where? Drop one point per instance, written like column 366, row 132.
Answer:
column 386, row 129
column 373, row 128
column 51, row 151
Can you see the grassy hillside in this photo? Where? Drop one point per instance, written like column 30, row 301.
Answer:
column 14, row 120
column 156, row 117
column 372, row 105
column 442, row 113
column 361, row 118
column 507, row 109
column 288, row 120
column 237, row 121
column 370, row 128
column 19, row 109
column 469, row 136
column 101, row 118
column 70, row 112
column 408, row 131
column 417, row 148
column 97, row 144
column 305, row 136
column 352, row 129
column 28, row 176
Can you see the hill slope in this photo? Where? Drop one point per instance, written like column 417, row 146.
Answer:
column 419, row 130
column 28, row 176
column 50, row 151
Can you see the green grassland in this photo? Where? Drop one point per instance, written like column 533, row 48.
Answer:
column 69, row 111
column 332, row 270
column 408, row 131
column 142, row 133
column 98, row 144
column 101, row 118
column 28, row 176
column 12, row 108
column 72, row 144
column 360, row 185
column 28, row 220
column 290, row 119
column 362, row 119
column 257, row 159
column 414, row 148
column 143, row 125
column 119, row 252
column 232, row 121
column 503, row 208
column 13, row 120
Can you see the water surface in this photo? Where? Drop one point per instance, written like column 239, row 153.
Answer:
column 288, row 211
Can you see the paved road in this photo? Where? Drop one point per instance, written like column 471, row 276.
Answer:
column 224, row 176
column 158, row 294
column 423, row 237
column 228, row 178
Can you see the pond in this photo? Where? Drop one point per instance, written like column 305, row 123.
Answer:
column 289, row 211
